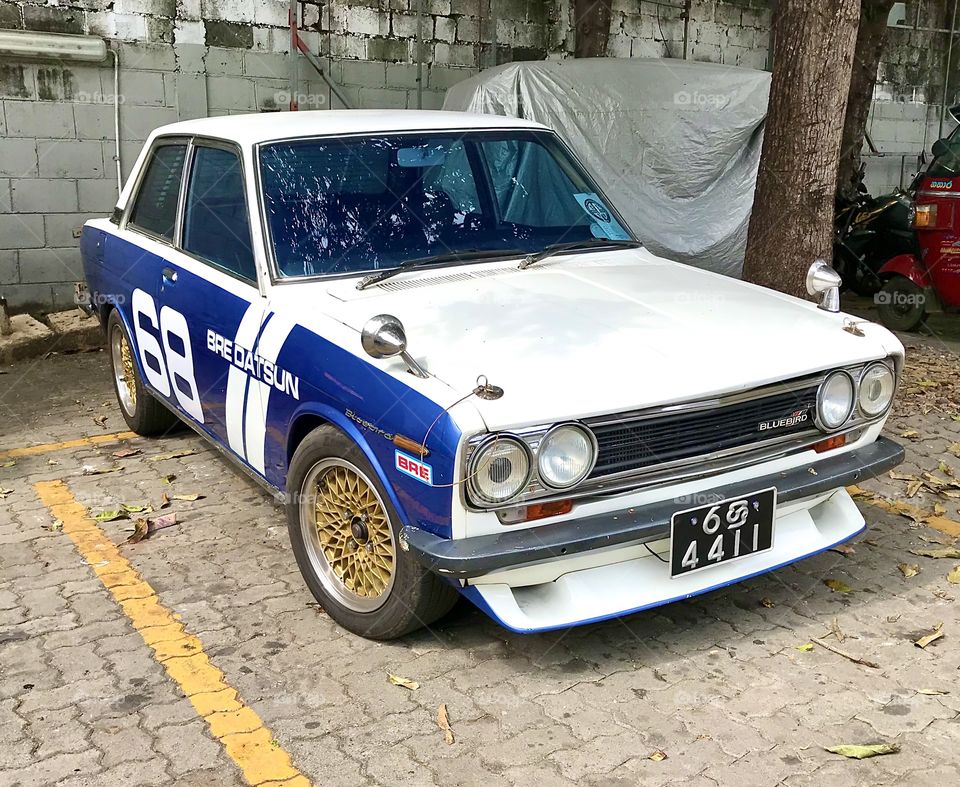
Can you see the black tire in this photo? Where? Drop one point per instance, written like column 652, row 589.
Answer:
column 142, row 412
column 413, row 598
column 901, row 304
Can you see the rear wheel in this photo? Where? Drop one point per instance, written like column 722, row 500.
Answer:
column 345, row 536
column 901, row 304
column 143, row 414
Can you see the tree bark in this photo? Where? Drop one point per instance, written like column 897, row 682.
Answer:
column 870, row 37
column 792, row 221
column 591, row 27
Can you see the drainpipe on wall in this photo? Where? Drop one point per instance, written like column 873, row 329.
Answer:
column 116, row 115
column 686, row 26
column 946, row 70
column 419, row 54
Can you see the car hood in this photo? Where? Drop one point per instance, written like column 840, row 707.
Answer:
column 587, row 334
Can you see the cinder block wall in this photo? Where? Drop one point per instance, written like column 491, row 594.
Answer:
column 186, row 58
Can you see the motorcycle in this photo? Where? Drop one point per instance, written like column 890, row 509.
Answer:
column 927, row 278
column 867, row 232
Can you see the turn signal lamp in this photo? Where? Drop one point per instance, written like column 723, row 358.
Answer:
column 837, row 441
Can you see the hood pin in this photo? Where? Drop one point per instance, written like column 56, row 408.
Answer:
column 485, row 390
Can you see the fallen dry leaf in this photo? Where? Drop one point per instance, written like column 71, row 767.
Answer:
column 909, row 569
column 123, row 453
column 838, row 586
column 443, row 722
column 187, row 498
column 805, row 648
column 164, row 500
column 856, row 751
column 173, row 455
column 954, row 576
column 11, row 463
column 913, row 487
column 948, row 552
column 136, row 508
column 932, row 692
column 141, row 529
column 110, row 516
column 4, row 493
column 910, row 434
column 91, row 470
column 657, row 756
column 100, row 420
column 168, row 479
column 55, row 527
column 766, row 602
column 406, row 683
column 843, row 549
column 933, row 636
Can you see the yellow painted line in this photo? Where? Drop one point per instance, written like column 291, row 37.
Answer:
column 937, row 522
column 244, row 737
column 48, row 448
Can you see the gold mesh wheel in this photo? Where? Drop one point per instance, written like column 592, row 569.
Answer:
column 347, row 533
column 123, row 370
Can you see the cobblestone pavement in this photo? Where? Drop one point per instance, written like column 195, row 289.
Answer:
column 722, row 684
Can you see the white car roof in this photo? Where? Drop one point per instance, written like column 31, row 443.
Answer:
column 253, row 128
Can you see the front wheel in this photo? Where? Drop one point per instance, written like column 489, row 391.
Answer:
column 345, row 536
column 143, row 414
column 901, row 304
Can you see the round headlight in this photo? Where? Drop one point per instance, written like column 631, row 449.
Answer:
column 877, row 384
column 499, row 469
column 834, row 401
column 566, row 455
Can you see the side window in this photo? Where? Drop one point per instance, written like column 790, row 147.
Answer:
column 155, row 209
column 215, row 225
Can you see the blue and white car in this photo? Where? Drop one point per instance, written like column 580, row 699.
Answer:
column 438, row 339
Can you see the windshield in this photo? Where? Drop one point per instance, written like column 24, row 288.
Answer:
column 352, row 205
column 948, row 164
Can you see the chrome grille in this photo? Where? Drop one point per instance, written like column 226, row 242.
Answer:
column 635, row 442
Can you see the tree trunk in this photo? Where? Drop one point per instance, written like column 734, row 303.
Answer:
column 792, row 221
column 866, row 60
column 592, row 27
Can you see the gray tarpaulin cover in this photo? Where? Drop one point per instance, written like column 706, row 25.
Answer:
column 675, row 144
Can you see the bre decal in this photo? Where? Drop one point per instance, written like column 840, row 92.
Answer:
column 414, row 468
column 257, row 367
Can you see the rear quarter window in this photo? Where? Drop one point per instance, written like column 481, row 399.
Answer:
column 155, row 205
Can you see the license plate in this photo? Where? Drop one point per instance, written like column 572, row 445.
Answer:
column 708, row 535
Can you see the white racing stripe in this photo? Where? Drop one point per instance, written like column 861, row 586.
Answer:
column 237, row 379
column 258, row 396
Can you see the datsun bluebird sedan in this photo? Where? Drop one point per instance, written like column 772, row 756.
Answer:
column 434, row 336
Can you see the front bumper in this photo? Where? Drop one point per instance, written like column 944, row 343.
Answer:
column 477, row 556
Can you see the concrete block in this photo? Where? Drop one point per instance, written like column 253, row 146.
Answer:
column 39, row 119
column 391, row 50
column 142, row 88
column 5, row 205
column 444, row 29
column 167, row 8
column 273, row 95
column 74, row 331
column 160, row 31
column 97, row 197
column 405, row 25
column 360, row 20
column 190, row 58
column 17, row 80
column 189, row 32
column 49, row 265
column 266, row 64
column 137, row 124
column 18, row 157
column 468, row 30
column 231, row 93
column 364, row 73
column 221, row 61
column 73, row 83
column 9, row 269
column 53, row 19
column 432, row 99
column 403, row 75
column 375, row 98
column 454, row 55
column 21, row 231
column 29, row 339
column 63, row 229
column 39, row 195
column 272, row 13
column 347, row 47
column 441, row 77
column 190, row 96
column 70, row 158
column 10, row 16
column 130, row 27
column 147, row 57
column 228, row 34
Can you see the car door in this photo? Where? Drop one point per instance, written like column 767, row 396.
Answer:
column 213, row 315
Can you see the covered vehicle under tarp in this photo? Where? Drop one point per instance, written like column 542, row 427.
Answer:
column 676, row 145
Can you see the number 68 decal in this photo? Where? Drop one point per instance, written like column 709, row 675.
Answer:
column 173, row 363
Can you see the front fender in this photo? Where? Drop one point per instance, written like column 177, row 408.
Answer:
column 905, row 265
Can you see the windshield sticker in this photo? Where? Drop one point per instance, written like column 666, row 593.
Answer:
column 605, row 225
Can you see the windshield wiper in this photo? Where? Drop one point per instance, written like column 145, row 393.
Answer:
column 595, row 243
column 435, row 259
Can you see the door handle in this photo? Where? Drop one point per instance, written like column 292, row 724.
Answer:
column 169, row 276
